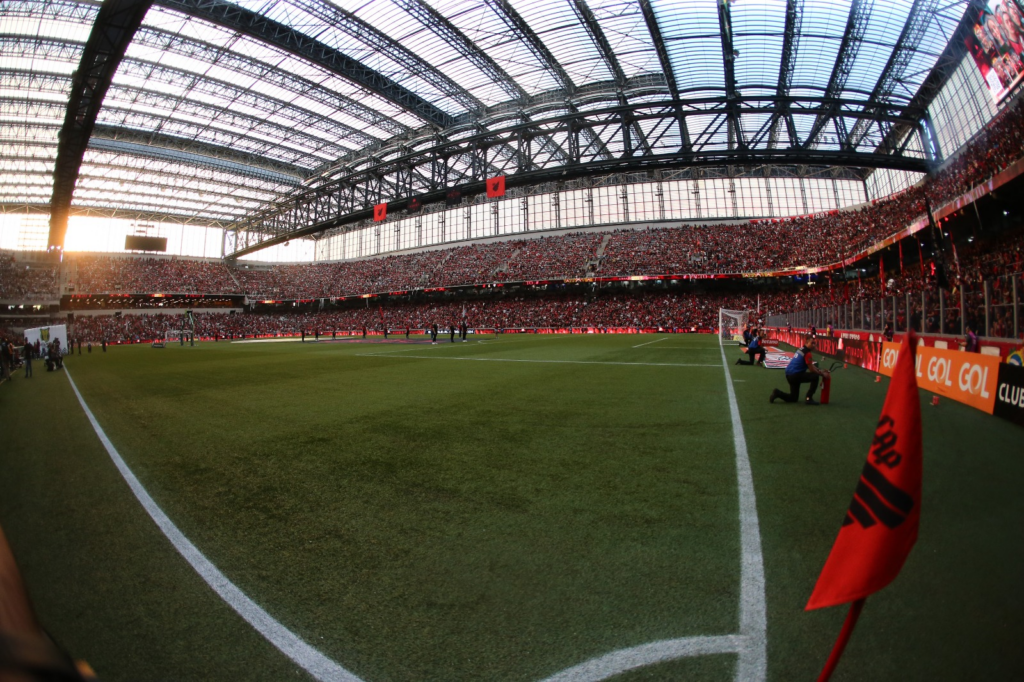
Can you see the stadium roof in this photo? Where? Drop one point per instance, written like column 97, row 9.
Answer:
column 228, row 113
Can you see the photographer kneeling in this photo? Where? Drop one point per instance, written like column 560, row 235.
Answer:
column 801, row 370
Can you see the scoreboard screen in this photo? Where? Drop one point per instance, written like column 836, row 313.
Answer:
column 132, row 243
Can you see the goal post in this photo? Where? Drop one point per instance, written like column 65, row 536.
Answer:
column 731, row 324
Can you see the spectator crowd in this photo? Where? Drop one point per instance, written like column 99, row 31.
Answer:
column 756, row 246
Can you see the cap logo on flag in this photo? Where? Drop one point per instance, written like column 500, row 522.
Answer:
column 496, row 187
column 380, row 212
column 875, row 497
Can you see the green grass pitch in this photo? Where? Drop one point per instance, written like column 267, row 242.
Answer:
column 493, row 510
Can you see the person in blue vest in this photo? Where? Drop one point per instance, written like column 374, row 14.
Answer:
column 801, row 370
column 755, row 351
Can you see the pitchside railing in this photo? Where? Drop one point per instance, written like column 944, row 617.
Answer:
column 995, row 307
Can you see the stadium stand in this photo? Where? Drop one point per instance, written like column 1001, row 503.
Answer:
column 113, row 274
column 26, row 281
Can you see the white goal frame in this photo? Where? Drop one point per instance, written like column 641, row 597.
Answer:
column 731, row 324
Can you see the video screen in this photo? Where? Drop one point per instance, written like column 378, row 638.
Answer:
column 996, row 44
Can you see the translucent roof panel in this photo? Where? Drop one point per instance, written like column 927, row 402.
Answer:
column 486, row 26
column 208, row 117
column 694, row 43
column 626, row 32
column 758, row 28
column 434, row 37
column 566, row 36
column 821, row 34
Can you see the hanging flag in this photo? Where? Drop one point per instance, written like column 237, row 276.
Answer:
column 380, row 212
column 920, row 254
column 901, row 256
column 956, row 258
column 453, row 198
column 881, row 274
column 496, row 187
column 414, row 204
column 846, row 292
column 881, row 523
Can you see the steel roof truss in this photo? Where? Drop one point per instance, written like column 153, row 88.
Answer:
column 116, row 23
column 286, row 38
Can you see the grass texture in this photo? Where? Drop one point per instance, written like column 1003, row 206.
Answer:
column 496, row 510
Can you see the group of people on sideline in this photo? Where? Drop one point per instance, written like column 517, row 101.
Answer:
column 13, row 357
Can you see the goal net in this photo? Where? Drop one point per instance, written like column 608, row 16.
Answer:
column 731, row 324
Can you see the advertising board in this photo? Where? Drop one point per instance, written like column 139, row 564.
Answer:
column 969, row 378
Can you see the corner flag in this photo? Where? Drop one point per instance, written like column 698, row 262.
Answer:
column 880, row 527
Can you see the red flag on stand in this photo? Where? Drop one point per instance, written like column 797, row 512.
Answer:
column 496, row 187
column 380, row 212
column 881, row 523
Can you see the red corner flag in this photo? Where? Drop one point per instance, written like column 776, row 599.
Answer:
column 880, row 526
column 496, row 187
column 380, row 212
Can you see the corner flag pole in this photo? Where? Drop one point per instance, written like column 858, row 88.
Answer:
column 844, row 636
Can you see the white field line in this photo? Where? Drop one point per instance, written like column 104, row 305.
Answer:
column 287, row 642
column 751, row 642
column 647, row 343
column 753, row 658
column 623, row 660
column 551, row 362
column 422, row 346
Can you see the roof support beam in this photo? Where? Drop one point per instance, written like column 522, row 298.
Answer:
column 116, row 23
column 791, row 37
column 283, row 37
column 171, row 148
column 947, row 63
column 729, row 54
column 597, row 34
column 521, row 30
column 460, row 42
column 349, row 24
column 666, row 67
column 892, row 76
column 247, row 66
column 439, row 24
column 428, row 171
column 853, row 37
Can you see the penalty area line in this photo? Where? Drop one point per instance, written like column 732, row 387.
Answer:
column 552, row 362
column 286, row 641
column 647, row 343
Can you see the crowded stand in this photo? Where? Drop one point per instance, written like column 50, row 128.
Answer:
column 25, row 281
column 108, row 274
column 939, row 289
column 645, row 310
column 755, row 246
column 991, row 151
column 982, row 271
column 556, row 257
